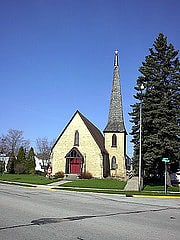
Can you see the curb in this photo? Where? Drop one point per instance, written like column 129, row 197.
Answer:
column 18, row 183
column 155, row 196
column 55, row 188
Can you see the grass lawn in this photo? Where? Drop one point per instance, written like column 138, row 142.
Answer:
column 160, row 188
column 26, row 178
column 111, row 186
column 97, row 183
column 119, row 191
column 114, row 186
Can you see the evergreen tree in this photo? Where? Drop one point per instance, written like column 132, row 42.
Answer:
column 30, row 162
column 2, row 167
column 160, row 109
column 20, row 163
column 11, row 163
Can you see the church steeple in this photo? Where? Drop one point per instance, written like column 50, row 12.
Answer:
column 115, row 119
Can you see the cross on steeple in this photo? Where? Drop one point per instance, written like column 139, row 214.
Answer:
column 116, row 58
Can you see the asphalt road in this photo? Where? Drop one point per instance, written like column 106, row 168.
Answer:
column 40, row 213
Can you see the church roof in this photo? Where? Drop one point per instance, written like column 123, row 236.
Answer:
column 95, row 132
column 115, row 118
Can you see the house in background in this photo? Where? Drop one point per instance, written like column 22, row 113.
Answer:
column 41, row 165
column 81, row 147
column 5, row 159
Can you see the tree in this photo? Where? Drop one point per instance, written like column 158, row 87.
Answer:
column 160, row 108
column 43, row 148
column 30, row 162
column 11, row 163
column 20, row 163
column 11, row 142
column 2, row 166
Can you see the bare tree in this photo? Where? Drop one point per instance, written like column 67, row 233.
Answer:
column 11, row 142
column 43, row 147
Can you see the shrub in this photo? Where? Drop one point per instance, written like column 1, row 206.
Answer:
column 19, row 168
column 86, row 175
column 40, row 173
column 59, row 174
column 32, row 171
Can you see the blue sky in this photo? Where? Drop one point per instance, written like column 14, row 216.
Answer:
column 56, row 57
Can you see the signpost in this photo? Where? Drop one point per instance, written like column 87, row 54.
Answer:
column 165, row 160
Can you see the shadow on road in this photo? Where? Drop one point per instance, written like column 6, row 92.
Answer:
column 42, row 221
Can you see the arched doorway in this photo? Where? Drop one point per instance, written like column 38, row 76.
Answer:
column 74, row 162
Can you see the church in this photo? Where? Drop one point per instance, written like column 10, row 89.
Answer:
column 82, row 147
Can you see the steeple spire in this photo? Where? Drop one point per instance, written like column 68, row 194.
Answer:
column 115, row 119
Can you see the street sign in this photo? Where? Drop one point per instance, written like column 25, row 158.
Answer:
column 165, row 160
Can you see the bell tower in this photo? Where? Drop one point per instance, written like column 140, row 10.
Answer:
column 115, row 132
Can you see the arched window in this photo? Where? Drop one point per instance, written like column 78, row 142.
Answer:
column 114, row 140
column 113, row 163
column 76, row 138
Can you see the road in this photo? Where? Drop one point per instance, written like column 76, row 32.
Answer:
column 40, row 213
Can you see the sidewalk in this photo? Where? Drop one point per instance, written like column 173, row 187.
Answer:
column 57, row 186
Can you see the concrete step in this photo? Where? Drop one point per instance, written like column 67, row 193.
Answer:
column 71, row 177
column 132, row 184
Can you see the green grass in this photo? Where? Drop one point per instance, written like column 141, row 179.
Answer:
column 26, row 178
column 114, row 186
column 97, row 183
column 111, row 186
column 115, row 191
column 160, row 188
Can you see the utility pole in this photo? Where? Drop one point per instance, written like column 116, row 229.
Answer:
column 140, row 141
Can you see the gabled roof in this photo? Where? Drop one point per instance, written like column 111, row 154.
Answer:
column 79, row 155
column 95, row 132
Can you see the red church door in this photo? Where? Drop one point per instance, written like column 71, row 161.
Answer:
column 75, row 166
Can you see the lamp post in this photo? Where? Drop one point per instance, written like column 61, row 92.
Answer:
column 101, row 164
column 140, row 139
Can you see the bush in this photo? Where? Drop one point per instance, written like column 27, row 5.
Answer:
column 59, row 174
column 40, row 173
column 32, row 171
column 19, row 168
column 86, row 175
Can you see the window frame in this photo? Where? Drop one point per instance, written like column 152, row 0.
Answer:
column 76, row 138
column 113, row 163
column 114, row 140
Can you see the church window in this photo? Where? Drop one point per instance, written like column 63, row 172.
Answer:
column 114, row 140
column 76, row 138
column 113, row 163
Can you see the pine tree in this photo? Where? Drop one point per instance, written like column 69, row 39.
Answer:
column 160, row 108
column 20, row 163
column 2, row 166
column 30, row 162
column 11, row 163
